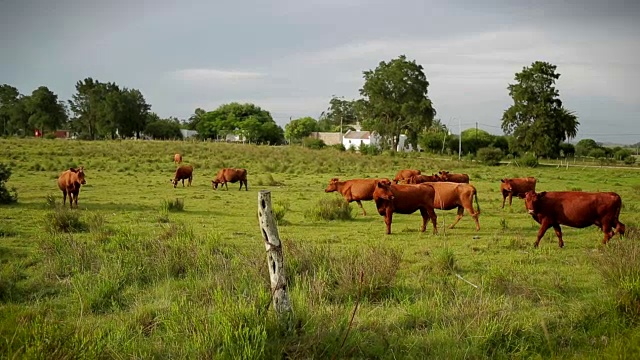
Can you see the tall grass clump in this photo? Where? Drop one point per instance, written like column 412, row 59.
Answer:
column 619, row 264
column 330, row 209
column 172, row 205
column 6, row 196
column 267, row 180
column 64, row 220
column 529, row 160
column 490, row 156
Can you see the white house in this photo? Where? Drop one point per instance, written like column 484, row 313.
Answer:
column 356, row 138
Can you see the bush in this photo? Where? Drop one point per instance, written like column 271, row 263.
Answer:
column 597, row 153
column 529, row 160
column 369, row 149
column 339, row 147
column 65, row 220
column 490, row 156
column 630, row 160
column 175, row 205
column 50, row 136
column 6, row 196
column 331, row 209
column 312, row 143
column 280, row 209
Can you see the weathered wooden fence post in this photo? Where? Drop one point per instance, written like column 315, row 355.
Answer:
column 275, row 259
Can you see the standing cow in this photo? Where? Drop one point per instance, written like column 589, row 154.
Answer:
column 451, row 195
column 516, row 186
column 354, row 190
column 177, row 158
column 405, row 199
column 576, row 209
column 183, row 172
column 69, row 182
column 231, row 175
column 405, row 174
column 457, row 178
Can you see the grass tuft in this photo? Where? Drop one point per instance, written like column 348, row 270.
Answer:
column 330, row 209
column 172, row 205
column 63, row 220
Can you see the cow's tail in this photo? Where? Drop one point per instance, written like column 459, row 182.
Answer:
column 475, row 195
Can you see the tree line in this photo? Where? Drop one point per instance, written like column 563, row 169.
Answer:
column 394, row 100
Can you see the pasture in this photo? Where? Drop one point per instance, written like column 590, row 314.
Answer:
column 135, row 278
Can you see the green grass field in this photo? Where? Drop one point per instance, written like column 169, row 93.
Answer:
column 136, row 279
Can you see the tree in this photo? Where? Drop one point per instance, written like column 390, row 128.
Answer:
column 250, row 121
column 567, row 150
column 474, row 139
column 194, row 120
column 537, row 119
column 13, row 112
column 162, row 129
column 584, row 147
column 45, row 111
column 340, row 112
column 395, row 100
column 300, row 128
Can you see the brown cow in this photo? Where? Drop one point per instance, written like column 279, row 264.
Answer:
column 457, row 178
column 177, row 158
column 576, row 209
column 405, row 174
column 69, row 182
column 231, row 175
column 354, row 190
column 183, row 172
column 419, row 179
column 405, row 199
column 450, row 195
column 516, row 186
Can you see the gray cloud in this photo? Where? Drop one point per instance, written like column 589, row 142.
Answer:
column 290, row 57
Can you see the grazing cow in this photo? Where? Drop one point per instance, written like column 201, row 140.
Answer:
column 457, row 178
column 183, row 172
column 405, row 199
column 405, row 174
column 450, row 195
column 516, row 186
column 354, row 190
column 576, row 209
column 419, row 179
column 177, row 158
column 231, row 175
column 69, row 182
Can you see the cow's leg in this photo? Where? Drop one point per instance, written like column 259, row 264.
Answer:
column 543, row 229
column 364, row 213
column 64, row 197
column 182, row 182
column 475, row 215
column 558, row 230
column 425, row 219
column 434, row 219
column 458, row 217
column 226, row 186
column 387, row 220
column 510, row 197
column 608, row 231
column 190, row 179
column 504, row 197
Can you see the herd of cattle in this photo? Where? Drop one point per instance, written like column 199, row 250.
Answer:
column 411, row 191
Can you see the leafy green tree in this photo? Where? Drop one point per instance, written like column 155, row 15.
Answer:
column 597, row 153
column 162, row 129
column 45, row 111
column 395, row 101
column 13, row 111
column 340, row 112
column 623, row 154
column 248, row 120
column 537, row 119
column 300, row 128
column 568, row 150
column 194, row 120
column 473, row 140
column 501, row 142
column 584, row 147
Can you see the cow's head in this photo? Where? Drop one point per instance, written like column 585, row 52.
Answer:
column 531, row 201
column 214, row 184
column 333, row 185
column 506, row 185
column 444, row 175
column 79, row 174
column 383, row 190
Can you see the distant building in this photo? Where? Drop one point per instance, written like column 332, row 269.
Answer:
column 188, row 133
column 353, row 139
column 63, row 134
column 329, row 138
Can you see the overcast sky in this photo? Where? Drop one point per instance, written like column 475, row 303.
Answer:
column 291, row 56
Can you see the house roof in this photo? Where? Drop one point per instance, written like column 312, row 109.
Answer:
column 357, row 135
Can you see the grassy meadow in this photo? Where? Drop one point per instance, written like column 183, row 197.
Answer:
column 143, row 270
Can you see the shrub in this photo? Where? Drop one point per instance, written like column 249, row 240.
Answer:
column 597, row 153
column 630, row 160
column 529, row 160
column 175, row 205
column 369, row 149
column 330, row 209
column 280, row 208
column 6, row 196
column 50, row 136
column 312, row 143
column 339, row 147
column 65, row 220
column 490, row 156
